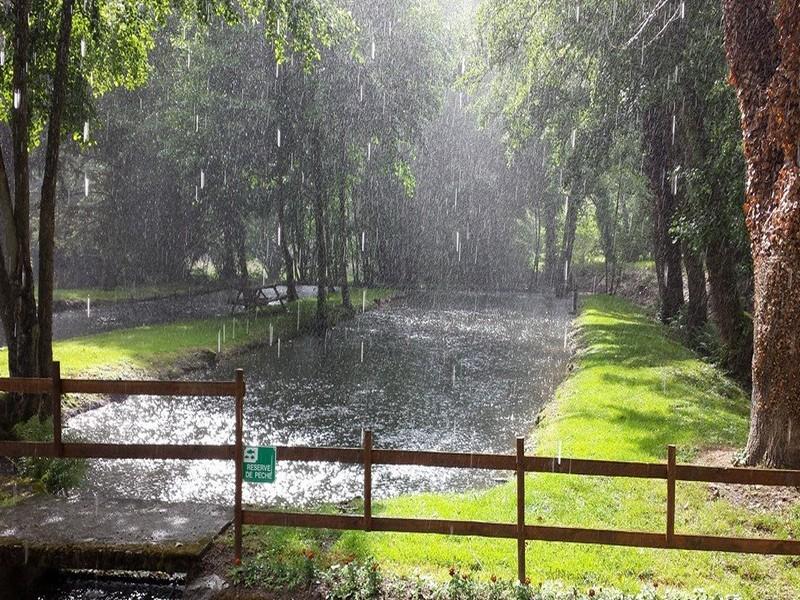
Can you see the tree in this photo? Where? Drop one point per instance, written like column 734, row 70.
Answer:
column 52, row 84
column 762, row 41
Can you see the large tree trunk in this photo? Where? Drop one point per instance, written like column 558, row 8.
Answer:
column 666, row 250
column 321, row 320
column 550, row 250
column 47, row 208
column 762, row 41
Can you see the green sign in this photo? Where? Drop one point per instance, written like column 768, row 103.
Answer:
column 259, row 464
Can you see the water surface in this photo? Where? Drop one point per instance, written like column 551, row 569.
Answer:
column 451, row 372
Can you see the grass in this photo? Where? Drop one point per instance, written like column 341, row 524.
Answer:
column 157, row 345
column 121, row 294
column 633, row 392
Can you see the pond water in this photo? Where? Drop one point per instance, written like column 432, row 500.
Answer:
column 452, row 372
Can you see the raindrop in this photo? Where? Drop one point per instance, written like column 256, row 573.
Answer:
column 219, row 341
column 85, row 131
column 196, row 123
column 279, row 235
column 674, row 123
column 574, row 135
column 88, row 307
column 2, row 58
column 361, row 93
column 223, row 333
column 270, row 334
column 463, row 65
column 188, row 58
column 363, row 301
column 279, row 137
column 362, row 351
column 683, row 10
column 202, row 179
column 17, row 98
column 363, row 240
column 83, row 47
column 85, row 185
column 373, row 48
column 369, row 150
column 559, row 452
column 279, row 347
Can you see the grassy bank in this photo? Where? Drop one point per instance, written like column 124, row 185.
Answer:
column 633, row 392
column 155, row 346
column 127, row 294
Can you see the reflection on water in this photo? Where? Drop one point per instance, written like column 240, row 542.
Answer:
column 458, row 372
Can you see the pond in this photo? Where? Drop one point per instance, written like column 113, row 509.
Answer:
column 447, row 371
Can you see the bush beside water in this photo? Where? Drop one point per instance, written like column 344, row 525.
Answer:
column 56, row 475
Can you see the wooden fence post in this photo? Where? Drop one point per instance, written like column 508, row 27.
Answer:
column 367, row 451
column 671, row 472
column 55, row 398
column 521, row 509
column 238, row 457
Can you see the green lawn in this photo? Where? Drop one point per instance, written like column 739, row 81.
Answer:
column 121, row 294
column 633, row 392
column 155, row 345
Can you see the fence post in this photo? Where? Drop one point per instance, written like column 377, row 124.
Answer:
column 55, row 398
column 521, row 509
column 671, row 470
column 367, row 451
column 238, row 458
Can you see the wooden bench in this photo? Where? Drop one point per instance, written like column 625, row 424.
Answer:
column 256, row 297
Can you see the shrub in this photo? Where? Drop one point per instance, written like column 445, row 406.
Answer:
column 55, row 474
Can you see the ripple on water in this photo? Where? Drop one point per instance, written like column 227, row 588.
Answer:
column 458, row 372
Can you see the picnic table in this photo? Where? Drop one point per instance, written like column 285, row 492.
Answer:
column 256, row 297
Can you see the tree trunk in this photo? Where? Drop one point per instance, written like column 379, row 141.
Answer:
column 734, row 329
column 697, row 308
column 291, row 288
column 762, row 42
column 342, row 258
column 570, row 225
column 551, row 253
column 666, row 250
column 47, row 209
column 321, row 320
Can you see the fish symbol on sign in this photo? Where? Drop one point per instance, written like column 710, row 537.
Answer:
column 251, row 455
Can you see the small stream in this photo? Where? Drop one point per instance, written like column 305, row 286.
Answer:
column 452, row 372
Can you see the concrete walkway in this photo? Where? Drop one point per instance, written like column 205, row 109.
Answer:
column 88, row 533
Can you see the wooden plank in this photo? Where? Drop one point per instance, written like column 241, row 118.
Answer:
column 308, row 520
column 456, row 460
column 239, row 460
column 600, row 468
column 774, row 477
column 26, row 385
column 367, row 443
column 670, row 493
column 308, row 454
column 148, row 388
column 129, row 451
column 607, row 537
column 55, row 398
column 521, row 509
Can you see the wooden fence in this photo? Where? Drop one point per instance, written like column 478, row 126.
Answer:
column 56, row 387
column 671, row 472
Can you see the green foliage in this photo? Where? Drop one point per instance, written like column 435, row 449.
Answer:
column 353, row 581
column 275, row 569
column 56, row 475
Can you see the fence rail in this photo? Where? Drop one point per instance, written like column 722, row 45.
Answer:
column 670, row 472
column 367, row 456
